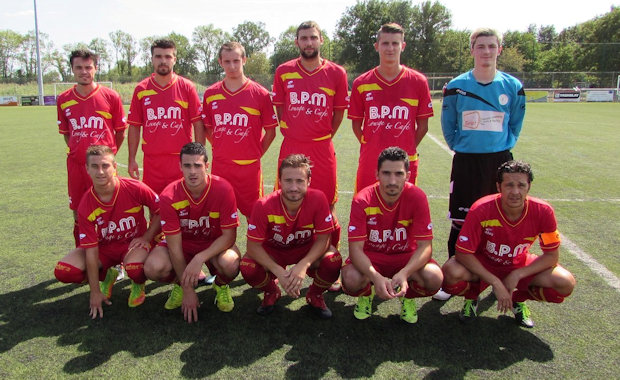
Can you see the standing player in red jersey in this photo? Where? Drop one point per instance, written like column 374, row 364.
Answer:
column 199, row 219
column 291, row 226
column 88, row 114
column 310, row 94
column 235, row 112
column 112, row 230
column 390, row 106
column 493, row 249
column 390, row 235
column 164, row 106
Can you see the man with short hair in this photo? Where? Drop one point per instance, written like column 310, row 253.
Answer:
column 112, row 230
column 310, row 95
column 199, row 219
column 164, row 107
column 390, row 235
column 88, row 114
column 390, row 106
column 481, row 118
column 291, row 226
column 236, row 110
column 493, row 249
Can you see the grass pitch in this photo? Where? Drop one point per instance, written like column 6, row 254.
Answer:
column 45, row 330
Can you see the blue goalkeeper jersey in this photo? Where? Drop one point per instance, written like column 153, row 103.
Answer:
column 482, row 118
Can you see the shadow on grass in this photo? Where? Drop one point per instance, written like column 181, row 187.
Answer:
column 438, row 346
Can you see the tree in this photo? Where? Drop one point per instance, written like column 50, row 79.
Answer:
column 453, row 54
column 253, row 36
column 125, row 48
column 430, row 20
column 207, row 41
column 186, row 54
column 284, row 48
column 547, row 36
column 511, row 60
column 10, row 42
column 526, row 43
column 100, row 47
column 27, row 54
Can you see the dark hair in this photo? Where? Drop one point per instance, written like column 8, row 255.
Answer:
column 84, row 54
column 164, row 44
column 194, row 149
column 393, row 153
column 392, row 28
column 296, row 161
column 514, row 166
column 99, row 150
column 308, row 25
column 232, row 45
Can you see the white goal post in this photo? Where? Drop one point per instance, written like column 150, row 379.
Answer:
column 62, row 86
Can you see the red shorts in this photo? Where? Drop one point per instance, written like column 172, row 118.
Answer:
column 161, row 170
column 367, row 168
column 78, row 182
column 190, row 249
column 502, row 272
column 112, row 254
column 389, row 265
column 246, row 180
column 323, row 158
column 288, row 257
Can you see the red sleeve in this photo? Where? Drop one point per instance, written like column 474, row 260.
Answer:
column 471, row 232
column 357, row 220
column 118, row 112
column 425, row 106
column 342, row 90
column 278, row 88
column 149, row 198
column 63, row 124
column 88, row 228
column 170, row 224
column 135, row 109
column 356, row 105
column 268, row 115
column 549, row 238
column 257, row 226
column 194, row 106
column 229, row 217
column 206, row 111
column 323, row 218
column 422, row 228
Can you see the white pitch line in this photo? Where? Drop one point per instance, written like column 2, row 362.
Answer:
column 573, row 248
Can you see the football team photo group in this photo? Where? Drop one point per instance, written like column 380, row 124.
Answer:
column 175, row 220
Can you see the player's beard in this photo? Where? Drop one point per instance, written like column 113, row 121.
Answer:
column 163, row 70
column 311, row 55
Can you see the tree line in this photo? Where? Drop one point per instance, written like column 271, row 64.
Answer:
column 433, row 46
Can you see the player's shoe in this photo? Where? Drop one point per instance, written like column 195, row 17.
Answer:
column 408, row 310
column 209, row 280
column 136, row 295
column 469, row 311
column 269, row 301
column 121, row 272
column 363, row 308
column 523, row 315
column 223, row 299
column 441, row 295
column 106, row 285
column 317, row 303
column 175, row 299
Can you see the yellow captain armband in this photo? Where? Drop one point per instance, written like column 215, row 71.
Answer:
column 549, row 238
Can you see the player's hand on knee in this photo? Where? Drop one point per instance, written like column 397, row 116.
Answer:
column 399, row 284
column 504, row 298
column 383, row 287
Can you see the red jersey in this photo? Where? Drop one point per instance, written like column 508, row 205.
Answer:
column 237, row 119
column 390, row 108
column 390, row 230
column 495, row 240
column 116, row 223
column 308, row 99
column 165, row 113
column 199, row 221
column 271, row 225
column 89, row 120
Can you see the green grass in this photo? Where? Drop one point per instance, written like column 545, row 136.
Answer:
column 45, row 331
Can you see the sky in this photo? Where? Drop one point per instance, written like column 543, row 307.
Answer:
column 72, row 21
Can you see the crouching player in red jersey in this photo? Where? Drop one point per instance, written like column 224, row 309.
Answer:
column 493, row 249
column 291, row 226
column 390, row 235
column 112, row 230
column 199, row 219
